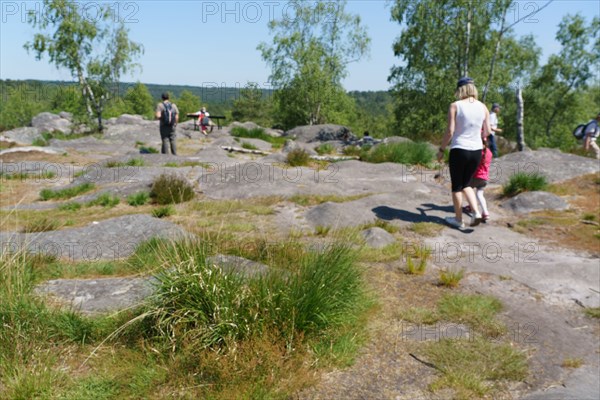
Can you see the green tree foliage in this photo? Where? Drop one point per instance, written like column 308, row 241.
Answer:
column 308, row 59
column 20, row 103
column 96, row 51
column 560, row 95
column 444, row 40
column 252, row 105
column 187, row 103
column 139, row 100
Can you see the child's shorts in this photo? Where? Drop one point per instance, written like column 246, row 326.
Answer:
column 478, row 183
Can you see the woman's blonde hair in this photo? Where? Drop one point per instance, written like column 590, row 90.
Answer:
column 464, row 91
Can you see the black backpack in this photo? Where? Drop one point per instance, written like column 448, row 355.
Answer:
column 579, row 131
column 168, row 116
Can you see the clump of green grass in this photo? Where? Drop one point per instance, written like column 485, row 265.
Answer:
column 41, row 225
column 313, row 200
column 451, row 277
column 418, row 269
column 170, row 189
column 524, row 182
column 106, row 200
column 325, row 148
column 138, row 199
column 163, row 212
column 589, row 217
column 322, row 230
column 298, row 158
column 70, row 206
column 49, row 194
column 472, row 367
column 593, row 312
column 477, row 311
column 40, row 142
column 256, row 133
column 213, row 307
column 134, row 162
column 187, row 164
column 410, row 153
column 428, row 229
column 25, row 175
column 249, row 146
column 352, row 151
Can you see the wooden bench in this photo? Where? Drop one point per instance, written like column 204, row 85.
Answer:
column 195, row 116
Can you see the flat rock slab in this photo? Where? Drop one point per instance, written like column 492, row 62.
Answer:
column 553, row 164
column 534, row 201
column 97, row 296
column 262, row 178
column 105, row 240
column 561, row 276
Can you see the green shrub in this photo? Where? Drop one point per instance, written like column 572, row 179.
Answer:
column 39, row 142
column 169, row 189
column 298, row 158
column 325, row 148
column 138, row 199
column 163, row 212
column 48, row 194
column 524, row 182
column 105, row 200
column 352, row 151
column 410, row 153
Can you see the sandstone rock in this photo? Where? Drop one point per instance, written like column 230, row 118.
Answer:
column 312, row 133
column 534, row 201
column 48, row 122
column 377, row 237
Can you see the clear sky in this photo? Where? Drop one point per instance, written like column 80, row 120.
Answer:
column 213, row 43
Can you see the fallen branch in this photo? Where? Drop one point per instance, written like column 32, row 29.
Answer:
column 247, row 151
column 334, row 158
column 588, row 222
column 430, row 365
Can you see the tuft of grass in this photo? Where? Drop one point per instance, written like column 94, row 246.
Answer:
column 187, row 164
column 593, row 312
column 410, row 153
column 106, row 200
column 322, row 230
column 572, row 363
column 313, row 200
column 70, row 206
column 25, row 175
column 352, row 151
column 298, row 158
column 256, row 133
column 412, row 269
column 450, row 277
column 148, row 150
column 41, row 225
column 49, row 194
column 471, row 367
column 428, row 229
column 170, row 189
column 383, row 224
column 419, row 316
column 325, row 148
column 477, row 311
column 40, row 142
column 249, row 146
column 589, row 217
column 163, row 212
column 138, row 199
column 134, row 162
column 524, row 182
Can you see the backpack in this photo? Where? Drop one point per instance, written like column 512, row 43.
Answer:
column 168, row 115
column 581, row 129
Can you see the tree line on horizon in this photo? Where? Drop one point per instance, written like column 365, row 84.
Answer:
column 308, row 59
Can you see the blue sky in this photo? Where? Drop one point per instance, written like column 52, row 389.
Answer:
column 213, row 43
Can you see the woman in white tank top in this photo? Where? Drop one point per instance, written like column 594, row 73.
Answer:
column 468, row 123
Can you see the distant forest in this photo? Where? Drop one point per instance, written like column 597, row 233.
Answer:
column 22, row 99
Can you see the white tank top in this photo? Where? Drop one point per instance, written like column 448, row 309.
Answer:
column 470, row 115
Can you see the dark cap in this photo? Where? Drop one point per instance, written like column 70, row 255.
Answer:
column 464, row 81
column 165, row 96
column 495, row 105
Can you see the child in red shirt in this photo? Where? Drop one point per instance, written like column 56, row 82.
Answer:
column 480, row 180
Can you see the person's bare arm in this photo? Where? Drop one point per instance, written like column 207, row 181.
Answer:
column 586, row 142
column 449, row 130
column 157, row 113
column 487, row 129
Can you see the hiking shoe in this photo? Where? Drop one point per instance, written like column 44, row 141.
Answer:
column 467, row 209
column 454, row 223
column 476, row 219
column 485, row 217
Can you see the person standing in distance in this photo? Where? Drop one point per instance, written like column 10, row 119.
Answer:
column 464, row 135
column 494, row 129
column 592, row 131
column 168, row 115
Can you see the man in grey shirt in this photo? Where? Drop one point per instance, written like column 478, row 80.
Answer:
column 168, row 115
